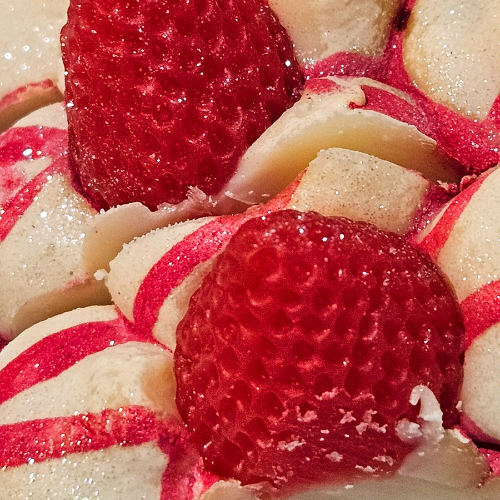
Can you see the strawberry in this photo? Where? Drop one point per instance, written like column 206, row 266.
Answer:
column 298, row 354
column 163, row 96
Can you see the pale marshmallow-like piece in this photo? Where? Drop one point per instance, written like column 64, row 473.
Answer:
column 322, row 120
column 451, row 53
column 320, row 28
column 30, row 54
column 362, row 187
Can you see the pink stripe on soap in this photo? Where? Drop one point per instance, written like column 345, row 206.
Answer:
column 13, row 98
column 45, row 439
column 56, row 353
column 439, row 234
column 481, row 310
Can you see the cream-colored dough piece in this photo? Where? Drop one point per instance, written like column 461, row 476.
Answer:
column 320, row 28
column 117, row 473
column 322, row 120
column 30, row 54
column 451, row 52
column 351, row 184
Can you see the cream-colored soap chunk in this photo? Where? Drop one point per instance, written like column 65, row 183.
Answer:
column 351, row 184
column 132, row 373
column 451, row 52
column 123, row 375
column 470, row 258
column 128, row 374
column 116, row 473
column 113, row 228
column 480, row 395
column 42, row 270
column 131, row 266
column 320, row 28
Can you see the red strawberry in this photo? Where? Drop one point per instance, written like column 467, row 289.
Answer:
column 167, row 95
column 300, row 350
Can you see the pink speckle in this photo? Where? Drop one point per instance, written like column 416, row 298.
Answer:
column 321, row 85
column 493, row 459
column 11, row 181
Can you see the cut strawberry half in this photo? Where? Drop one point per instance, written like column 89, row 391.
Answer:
column 165, row 96
column 300, row 350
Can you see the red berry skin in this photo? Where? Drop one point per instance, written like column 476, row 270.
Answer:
column 299, row 352
column 163, row 96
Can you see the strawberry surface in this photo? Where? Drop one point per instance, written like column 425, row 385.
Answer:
column 299, row 352
column 167, row 95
